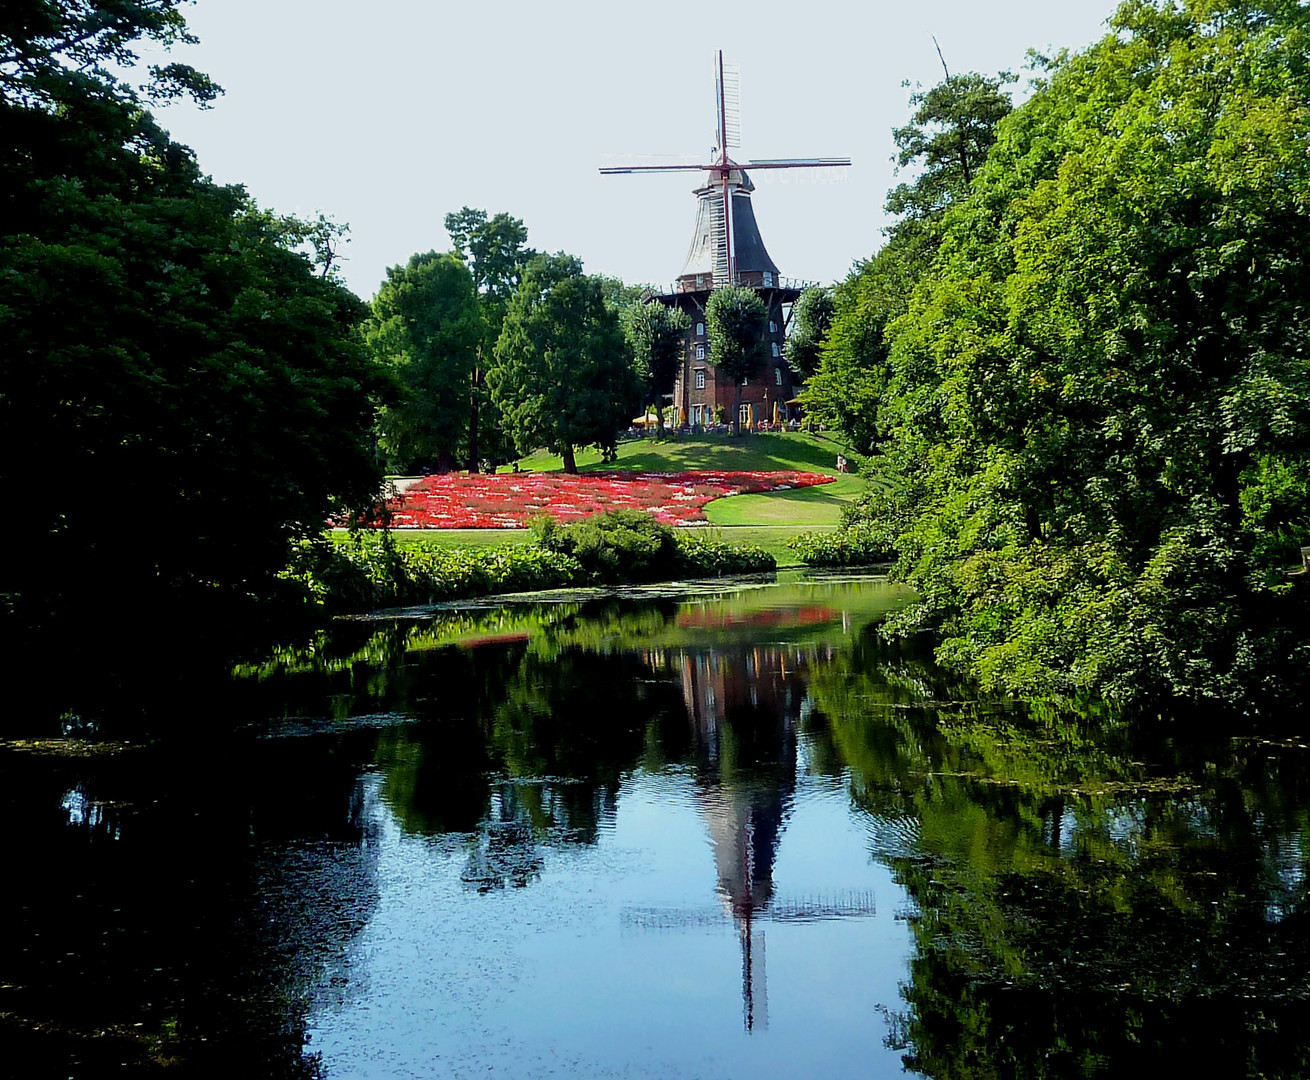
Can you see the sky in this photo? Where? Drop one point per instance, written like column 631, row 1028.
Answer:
column 391, row 114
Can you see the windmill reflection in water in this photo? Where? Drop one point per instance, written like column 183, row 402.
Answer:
column 751, row 699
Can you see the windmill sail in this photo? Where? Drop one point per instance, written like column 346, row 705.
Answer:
column 719, row 239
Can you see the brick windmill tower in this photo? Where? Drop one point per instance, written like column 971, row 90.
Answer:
column 727, row 249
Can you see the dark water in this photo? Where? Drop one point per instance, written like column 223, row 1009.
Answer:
column 728, row 834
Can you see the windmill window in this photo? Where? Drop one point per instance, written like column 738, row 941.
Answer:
column 700, row 354
column 700, row 380
column 700, row 329
column 775, row 349
column 746, row 381
column 777, row 376
column 773, row 328
column 768, row 282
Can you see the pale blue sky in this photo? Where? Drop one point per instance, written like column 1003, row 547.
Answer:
column 388, row 115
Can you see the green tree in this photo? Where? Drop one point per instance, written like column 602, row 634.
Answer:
column 735, row 322
column 427, row 326
column 1100, row 394
column 811, row 319
column 561, row 377
column 945, row 142
column 495, row 251
column 193, row 387
column 656, row 338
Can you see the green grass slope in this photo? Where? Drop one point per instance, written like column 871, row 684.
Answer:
column 750, row 453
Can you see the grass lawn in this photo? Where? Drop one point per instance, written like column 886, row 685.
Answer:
column 750, row 453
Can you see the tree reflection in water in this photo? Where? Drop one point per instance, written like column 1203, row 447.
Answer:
column 1088, row 895
column 1085, row 894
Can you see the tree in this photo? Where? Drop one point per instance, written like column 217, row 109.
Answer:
column 811, row 319
column 735, row 322
column 195, row 385
column 946, row 141
column 52, row 53
column 1100, row 402
column 561, row 377
column 427, row 326
column 655, row 336
column 495, row 251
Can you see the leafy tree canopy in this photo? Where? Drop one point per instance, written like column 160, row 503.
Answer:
column 51, row 49
column 190, row 385
column 426, row 325
column 1100, row 394
column 655, row 337
column 496, row 253
column 946, row 142
column 735, row 322
column 561, row 377
column 811, row 319
column 495, row 250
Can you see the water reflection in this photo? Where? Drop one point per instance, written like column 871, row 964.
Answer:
column 551, row 840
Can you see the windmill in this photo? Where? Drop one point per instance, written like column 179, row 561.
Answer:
column 745, row 804
column 727, row 179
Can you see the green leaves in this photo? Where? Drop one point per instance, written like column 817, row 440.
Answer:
column 1097, row 395
column 427, row 326
column 654, row 333
column 561, row 377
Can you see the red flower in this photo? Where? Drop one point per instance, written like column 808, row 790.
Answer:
column 508, row 500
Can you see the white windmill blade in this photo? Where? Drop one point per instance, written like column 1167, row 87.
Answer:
column 732, row 106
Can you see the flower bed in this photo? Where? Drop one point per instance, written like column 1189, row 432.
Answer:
column 509, row 500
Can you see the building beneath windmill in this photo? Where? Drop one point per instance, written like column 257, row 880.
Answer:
column 702, row 395
column 727, row 249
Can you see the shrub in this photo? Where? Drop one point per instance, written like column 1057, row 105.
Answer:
column 703, row 556
column 859, row 545
column 622, row 545
column 371, row 572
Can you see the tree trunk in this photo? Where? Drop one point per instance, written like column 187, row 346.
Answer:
column 659, row 421
column 736, row 407
column 570, row 465
column 473, row 421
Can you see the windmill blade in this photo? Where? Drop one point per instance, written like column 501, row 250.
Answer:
column 617, row 170
column 720, row 134
column 719, row 239
column 797, row 163
column 732, row 106
column 844, row 904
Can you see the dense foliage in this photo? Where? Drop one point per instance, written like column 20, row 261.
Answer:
column 631, row 546
column 427, row 328
column 369, row 570
column 1098, row 408
column 735, row 321
column 495, row 249
column 945, row 142
column 193, row 381
column 654, row 333
column 561, row 377
column 859, row 545
column 811, row 319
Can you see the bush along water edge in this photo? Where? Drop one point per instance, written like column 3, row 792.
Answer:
column 371, row 571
